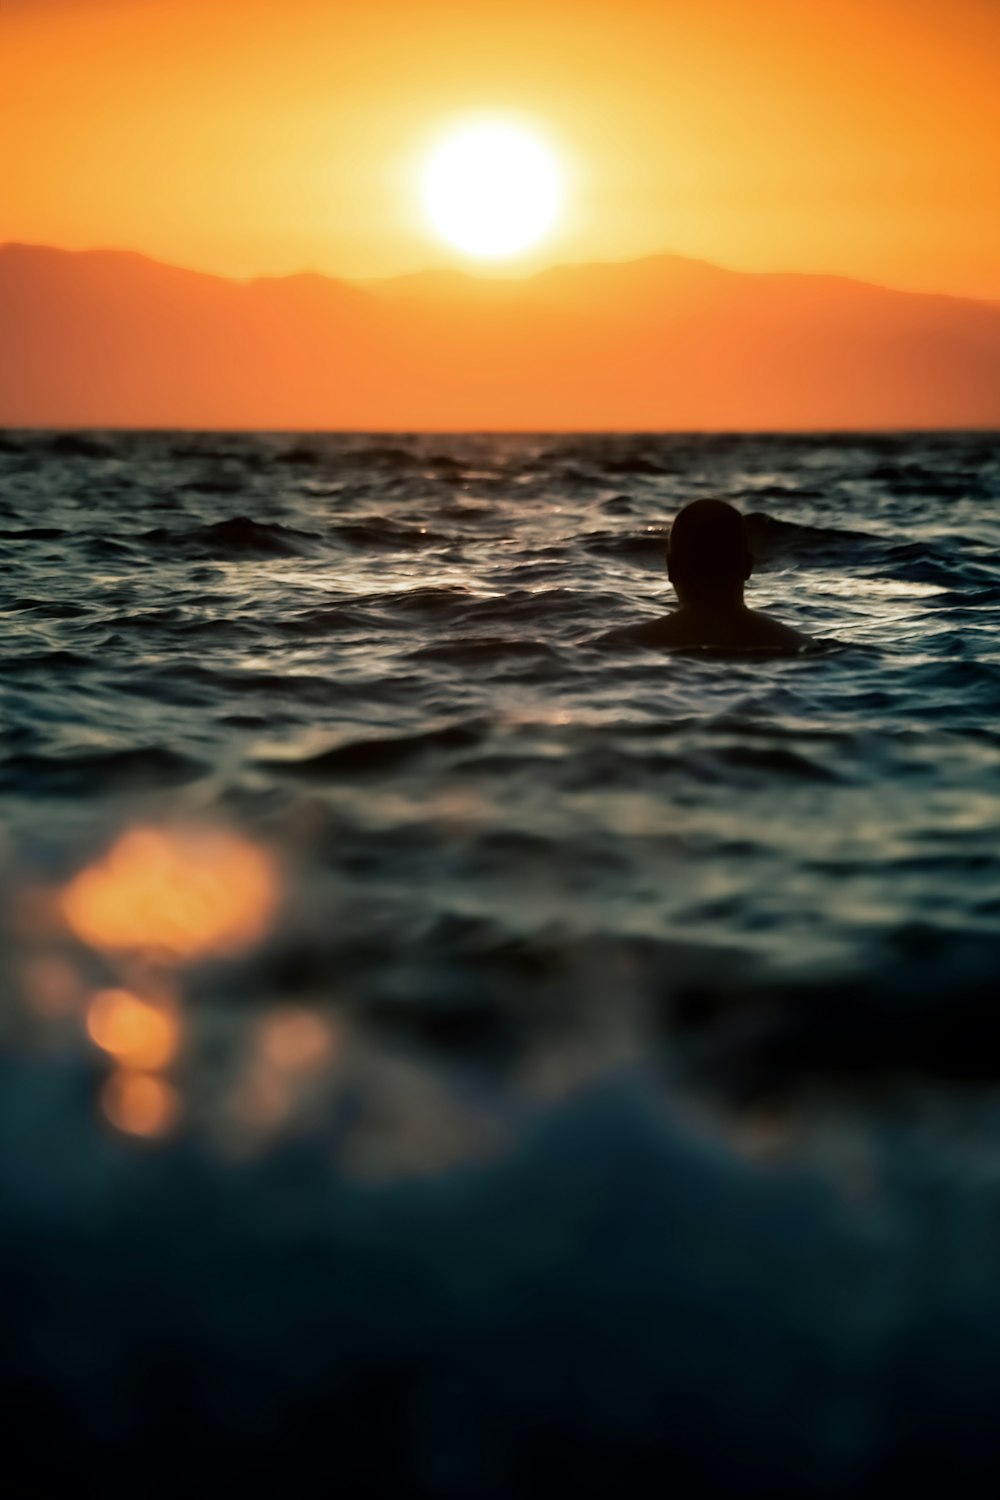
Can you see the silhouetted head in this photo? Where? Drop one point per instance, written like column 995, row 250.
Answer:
column 708, row 555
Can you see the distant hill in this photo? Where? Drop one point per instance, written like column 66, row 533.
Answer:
column 112, row 339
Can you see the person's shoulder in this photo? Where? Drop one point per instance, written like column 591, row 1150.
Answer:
column 765, row 631
column 662, row 631
column 750, row 631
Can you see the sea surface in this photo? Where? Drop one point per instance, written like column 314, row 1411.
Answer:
column 552, row 1067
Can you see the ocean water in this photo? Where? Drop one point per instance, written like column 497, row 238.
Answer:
column 591, row 1078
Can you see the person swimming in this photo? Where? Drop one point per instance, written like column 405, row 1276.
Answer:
column 708, row 562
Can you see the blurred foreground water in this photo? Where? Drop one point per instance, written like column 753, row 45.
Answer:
column 444, row 1057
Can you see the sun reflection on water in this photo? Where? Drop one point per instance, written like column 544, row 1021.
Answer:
column 296, row 1041
column 159, row 900
column 111, row 957
column 52, row 986
column 179, row 893
column 140, row 1103
column 135, row 1033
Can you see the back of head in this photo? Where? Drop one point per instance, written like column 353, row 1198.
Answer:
column 708, row 555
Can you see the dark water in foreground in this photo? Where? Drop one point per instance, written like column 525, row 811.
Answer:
column 593, row 1085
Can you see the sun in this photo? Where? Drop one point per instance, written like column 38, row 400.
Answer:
column 492, row 188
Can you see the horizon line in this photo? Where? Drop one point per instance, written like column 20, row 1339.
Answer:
column 473, row 276
column 888, row 430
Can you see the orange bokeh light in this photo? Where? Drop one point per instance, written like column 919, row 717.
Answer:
column 51, row 986
column 262, row 1100
column 139, row 1103
column 296, row 1041
column 174, row 894
column 135, row 1033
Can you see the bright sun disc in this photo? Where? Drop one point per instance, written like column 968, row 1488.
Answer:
column 492, row 189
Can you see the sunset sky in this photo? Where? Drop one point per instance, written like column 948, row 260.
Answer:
column 250, row 136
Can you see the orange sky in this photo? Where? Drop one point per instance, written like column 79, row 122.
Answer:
column 244, row 136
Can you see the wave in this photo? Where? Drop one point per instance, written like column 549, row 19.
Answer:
column 218, row 684
column 779, row 761
column 323, row 622
column 47, row 609
column 910, row 479
column 379, row 753
column 88, row 772
column 385, row 455
column 470, row 651
column 300, row 457
column 239, row 536
column 772, row 537
column 420, row 603
column 637, row 466
column 222, row 484
column 943, row 566
column 80, row 445
column 383, row 532
column 460, row 607
column 35, row 661
column 648, row 546
column 33, row 534
column 587, row 462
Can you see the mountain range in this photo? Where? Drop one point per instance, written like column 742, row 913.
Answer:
column 114, row 339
